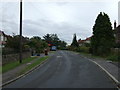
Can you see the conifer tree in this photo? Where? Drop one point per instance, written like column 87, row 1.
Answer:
column 103, row 38
column 74, row 42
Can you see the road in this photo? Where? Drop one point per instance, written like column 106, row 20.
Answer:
column 65, row 69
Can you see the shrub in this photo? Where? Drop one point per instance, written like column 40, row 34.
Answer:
column 114, row 58
column 72, row 48
column 83, row 49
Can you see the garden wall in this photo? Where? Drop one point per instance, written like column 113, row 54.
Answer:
column 14, row 57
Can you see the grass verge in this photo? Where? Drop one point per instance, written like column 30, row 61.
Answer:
column 15, row 64
column 37, row 62
column 111, row 57
column 89, row 55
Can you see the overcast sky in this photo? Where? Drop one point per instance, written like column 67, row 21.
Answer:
column 62, row 18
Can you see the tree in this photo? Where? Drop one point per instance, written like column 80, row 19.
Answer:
column 103, row 38
column 54, row 41
column 37, row 44
column 51, row 39
column 74, row 42
column 48, row 38
column 62, row 45
column 13, row 42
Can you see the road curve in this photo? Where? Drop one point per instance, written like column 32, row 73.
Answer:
column 65, row 69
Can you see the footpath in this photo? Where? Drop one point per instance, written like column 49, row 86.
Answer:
column 110, row 67
column 14, row 74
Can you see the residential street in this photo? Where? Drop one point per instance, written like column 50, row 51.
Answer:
column 65, row 69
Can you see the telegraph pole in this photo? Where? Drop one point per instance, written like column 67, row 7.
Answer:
column 20, row 57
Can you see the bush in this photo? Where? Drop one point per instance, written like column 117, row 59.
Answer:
column 72, row 48
column 87, row 44
column 114, row 57
column 83, row 49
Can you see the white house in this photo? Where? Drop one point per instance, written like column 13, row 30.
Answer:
column 3, row 39
column 82, row 42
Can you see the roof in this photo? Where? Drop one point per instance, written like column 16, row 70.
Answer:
column 2, row 33
column 118, row 29
column 88, row 38
column 82, row 41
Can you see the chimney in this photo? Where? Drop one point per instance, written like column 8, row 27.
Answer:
column 115, row 24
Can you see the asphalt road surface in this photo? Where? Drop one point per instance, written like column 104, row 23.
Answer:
column 65, row 69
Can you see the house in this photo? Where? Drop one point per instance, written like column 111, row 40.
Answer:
column 117, row 33
column 83, row 42
column 87, row 40
column 3, row 39
column 80, row 42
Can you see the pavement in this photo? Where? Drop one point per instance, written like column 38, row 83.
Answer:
column 14, row 73
column 66, row 69
column 110, row 67
column 7, row 76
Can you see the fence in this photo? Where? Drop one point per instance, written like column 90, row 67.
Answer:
column 115, row 50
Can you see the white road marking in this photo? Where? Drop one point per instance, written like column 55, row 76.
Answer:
column 28, row 63
column 106, row 72
column 59, row 56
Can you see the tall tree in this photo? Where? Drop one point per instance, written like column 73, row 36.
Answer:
column 51, row 39
column 74, row 42
column 48, row 38
column 37, row 44
column 54, row 41
column 103, row 38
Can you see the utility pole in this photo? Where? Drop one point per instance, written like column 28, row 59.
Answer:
column 20, row 57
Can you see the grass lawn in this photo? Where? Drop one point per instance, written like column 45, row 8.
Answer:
column 12, row 65
column 37, row 62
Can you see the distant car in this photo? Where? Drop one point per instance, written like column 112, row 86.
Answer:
column 53, row 48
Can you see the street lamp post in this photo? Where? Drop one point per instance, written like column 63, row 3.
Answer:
column 20, row 57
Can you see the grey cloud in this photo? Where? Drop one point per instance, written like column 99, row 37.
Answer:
column 41, row 27
column 61, row 3
column 9, row 26
column 43, row 18
column 64, row 30
column 119, row 12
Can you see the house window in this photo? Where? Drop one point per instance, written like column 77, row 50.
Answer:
column 5, row 38
column 1, row 38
